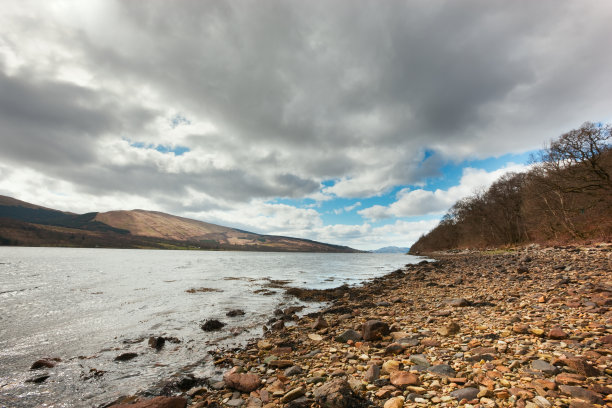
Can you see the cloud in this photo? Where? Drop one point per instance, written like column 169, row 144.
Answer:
column 421, row 202
column 284, row 99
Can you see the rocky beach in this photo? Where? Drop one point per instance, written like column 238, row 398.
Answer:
column 527, row 327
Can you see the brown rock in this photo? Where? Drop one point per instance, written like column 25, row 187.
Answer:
column 241, row 382
column 520, row 328
column 429, row 342
column 449, row 330
column 44, row 363
column 570, row 379
column 606, row 339
column 403, row 378
column 157, row 402
column 581, row 393
column 372, row 374
column 280, row 363
column 337, row 393
column 320, row 323
column 374, row 330
column 293, row 394
column 126, row 356
column 557, row 333
column 581, row 366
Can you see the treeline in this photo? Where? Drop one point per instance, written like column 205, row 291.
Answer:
column 565, row 197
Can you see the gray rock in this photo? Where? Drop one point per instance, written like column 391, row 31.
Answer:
column 419, row 359
column 372, row 374
column 348, row 335
column 459, row 302
column 236, row 402
column 545, row 367
column 337, row 393
column 443, row 370
column 468, row 393
column 293, row 371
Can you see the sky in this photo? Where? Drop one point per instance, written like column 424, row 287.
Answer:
column 351, row 122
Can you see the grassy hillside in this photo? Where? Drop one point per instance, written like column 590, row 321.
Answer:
column 27, row 224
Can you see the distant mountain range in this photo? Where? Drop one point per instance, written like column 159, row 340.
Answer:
column 26, row 224
column 392, row 250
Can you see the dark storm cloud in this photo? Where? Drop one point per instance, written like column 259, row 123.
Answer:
column 299, row 92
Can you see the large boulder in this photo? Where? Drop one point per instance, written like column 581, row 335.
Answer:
column 374, row 330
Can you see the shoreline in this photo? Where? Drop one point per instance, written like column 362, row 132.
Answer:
column 530, row 327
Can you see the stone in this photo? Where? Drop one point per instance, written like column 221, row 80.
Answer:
column 240, row 381
column 293, row 370
column 606, row 339
column 38, row 379
column 337, row 393
column 319, row 323
column 394, row 348
column 157, row 402
column 403, row 378
column 348, row 335
column 293, row 394
column 157, row 342
column 264, row 345
column 395, row 402
column 44, row 363
column 212, row 325
column 544, row 367
column 442, row 370
column 390, row 366
column 570, row 379
column 557, row 333
column 280, row 363
column 235, row 312
column 468, row 393
column 541, row 402
column 581, row 393
column 459, row 302
column 315, row 337
column 126, row 356
column 372, row 373
column 374, row 330
column 449, row 330
column 419, row 359
column 581, row 366
column 235, row 402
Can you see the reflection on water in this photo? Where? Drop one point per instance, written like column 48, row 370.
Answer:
column 87, row 306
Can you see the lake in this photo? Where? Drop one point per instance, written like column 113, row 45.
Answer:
column 87, row 306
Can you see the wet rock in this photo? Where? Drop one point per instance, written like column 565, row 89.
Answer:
column 468, row 393
column 212, row 325
column 337, row 393
column 240, row 381
column 126, row 356
column 374, row 330
column 44, row 363
column 156, row 342
column 157, row 402
column 348, row 335
column 403, row 378
column 235, row 312
column 38, row 379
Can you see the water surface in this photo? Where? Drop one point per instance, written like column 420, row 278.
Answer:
column 86, row 306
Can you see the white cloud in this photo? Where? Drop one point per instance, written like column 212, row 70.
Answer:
column 421, row 202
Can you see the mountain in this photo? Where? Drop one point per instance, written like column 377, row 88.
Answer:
column 27, row 224
column 392, row 250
